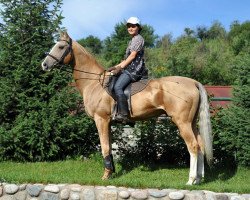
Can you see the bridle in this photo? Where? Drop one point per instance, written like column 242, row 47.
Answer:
column 66, row 52
column 69, row 50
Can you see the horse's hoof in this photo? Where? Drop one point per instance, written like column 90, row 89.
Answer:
column 107, row 174
column 189, row 183
column 194, row 181
column 197, row 181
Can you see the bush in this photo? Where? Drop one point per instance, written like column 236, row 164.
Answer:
column 232, row 125
column 154, row 142
column 38, row 118
column 49, row 133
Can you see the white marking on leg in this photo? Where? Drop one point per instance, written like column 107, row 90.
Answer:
column 193, row 169
column 200, row 167
column 200, row 164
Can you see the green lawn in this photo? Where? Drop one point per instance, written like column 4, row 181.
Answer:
column 89, row 172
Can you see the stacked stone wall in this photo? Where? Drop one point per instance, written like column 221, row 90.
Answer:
column 79, row 192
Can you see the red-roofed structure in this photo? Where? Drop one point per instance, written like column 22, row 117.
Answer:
column 220, row 95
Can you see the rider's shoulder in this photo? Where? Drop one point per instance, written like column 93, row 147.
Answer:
column 138, row 37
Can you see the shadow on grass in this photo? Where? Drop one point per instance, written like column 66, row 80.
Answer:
column 223, row 170
column 130, row 162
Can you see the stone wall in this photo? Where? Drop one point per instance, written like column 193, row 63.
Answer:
column 78, row 192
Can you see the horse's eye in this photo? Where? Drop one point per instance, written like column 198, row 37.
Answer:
column 61, row 47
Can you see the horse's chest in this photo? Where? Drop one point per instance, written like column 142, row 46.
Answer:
column 91, row 104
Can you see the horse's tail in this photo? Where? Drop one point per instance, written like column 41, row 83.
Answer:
column 205, row 128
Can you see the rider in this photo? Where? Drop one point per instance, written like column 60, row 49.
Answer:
column 131, row 69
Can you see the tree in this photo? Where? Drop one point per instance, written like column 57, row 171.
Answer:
column 189, row 32
column 216, row 31
column 156, row 58
column 36, row 120
column 93, row 43
column 211, row 61
column 239, row 37
column 153, row 142
column 232, row 128
column 206, row 58
column 202, row 33
column 180, row 55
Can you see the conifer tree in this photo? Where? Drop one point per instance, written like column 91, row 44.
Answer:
column 233, row 129
column 35, row 120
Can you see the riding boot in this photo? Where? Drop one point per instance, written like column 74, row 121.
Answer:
column 123, row 113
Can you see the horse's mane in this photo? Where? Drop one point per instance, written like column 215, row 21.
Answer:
column 85, row 51
column 89, row 55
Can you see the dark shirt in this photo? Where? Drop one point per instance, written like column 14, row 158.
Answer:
column 136, row 68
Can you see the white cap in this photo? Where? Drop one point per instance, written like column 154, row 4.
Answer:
column 133, row 20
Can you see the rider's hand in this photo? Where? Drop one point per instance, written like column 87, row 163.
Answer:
column 111, row 69
column 116, row 70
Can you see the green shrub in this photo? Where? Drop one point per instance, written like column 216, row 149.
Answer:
column 50, row 132
column 39, row 118
column 154, row 142
column 231, row 126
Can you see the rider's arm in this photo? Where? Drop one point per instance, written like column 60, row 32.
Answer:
column 128, row 60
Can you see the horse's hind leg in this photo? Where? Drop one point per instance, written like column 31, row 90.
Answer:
column 200, row 163
column 188, row 135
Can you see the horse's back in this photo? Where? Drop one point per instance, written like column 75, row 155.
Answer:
column 177, row 85
column 173, row 94
column 181, row 80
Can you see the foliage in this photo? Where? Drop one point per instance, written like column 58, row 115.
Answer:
column 93, row 43
column 152, row 141
column 157, row 58
column 35, row 113
column 180, row 54
column 239, row 37
column 208, row 61
column 232, row 124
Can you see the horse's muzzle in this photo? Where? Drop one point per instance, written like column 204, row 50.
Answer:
column 45, row 66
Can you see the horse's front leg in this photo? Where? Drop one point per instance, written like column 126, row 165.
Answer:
column 103, row 126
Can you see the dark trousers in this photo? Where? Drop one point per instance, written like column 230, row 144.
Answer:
column 121, row 83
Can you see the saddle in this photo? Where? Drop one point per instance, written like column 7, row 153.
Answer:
column 132, row 89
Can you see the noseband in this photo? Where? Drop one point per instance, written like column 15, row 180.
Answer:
column 67, row 51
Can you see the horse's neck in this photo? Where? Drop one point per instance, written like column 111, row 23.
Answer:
column 87, row 70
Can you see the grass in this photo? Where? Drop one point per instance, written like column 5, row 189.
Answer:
column 89, row 172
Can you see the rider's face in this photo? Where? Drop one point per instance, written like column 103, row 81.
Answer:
column 133, row 29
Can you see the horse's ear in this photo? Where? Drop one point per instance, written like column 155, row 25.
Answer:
column 64, row 34
column 61, row 33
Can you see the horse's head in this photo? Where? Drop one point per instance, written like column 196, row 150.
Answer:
column 61, row 53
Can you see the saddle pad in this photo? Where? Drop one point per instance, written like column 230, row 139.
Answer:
column 138, row 86
column 130, row 90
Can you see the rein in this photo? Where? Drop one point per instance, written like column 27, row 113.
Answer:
column 101, row 80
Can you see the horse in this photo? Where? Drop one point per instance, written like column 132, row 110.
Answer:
column 183, row 99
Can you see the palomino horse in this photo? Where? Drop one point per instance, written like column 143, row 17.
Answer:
column 181, row 98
